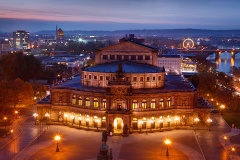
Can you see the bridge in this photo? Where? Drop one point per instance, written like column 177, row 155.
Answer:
column 206, row 52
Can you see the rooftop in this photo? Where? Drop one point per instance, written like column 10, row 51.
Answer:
column 128, row 67
column 172, row 83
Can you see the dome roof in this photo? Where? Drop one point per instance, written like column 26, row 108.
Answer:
column 60, row 32
column 127, row 67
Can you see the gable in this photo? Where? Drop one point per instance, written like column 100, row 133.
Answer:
column 127, row 47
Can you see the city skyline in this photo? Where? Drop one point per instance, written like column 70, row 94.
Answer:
column 118, row 15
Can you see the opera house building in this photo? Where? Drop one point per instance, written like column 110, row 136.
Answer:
column 123, row 92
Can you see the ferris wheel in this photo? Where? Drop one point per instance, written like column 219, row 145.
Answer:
column 188, row 43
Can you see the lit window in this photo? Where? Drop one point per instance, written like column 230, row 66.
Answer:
column 95, row 103
column 80, row 101
column 144, row 104
column 135, row 104
column 104, row 103
column 169, row 102
column 153, row 104
column 161, row 103
column 87, row 102
column 73, row 99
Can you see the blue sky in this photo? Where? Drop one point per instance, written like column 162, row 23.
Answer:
column 38, row 15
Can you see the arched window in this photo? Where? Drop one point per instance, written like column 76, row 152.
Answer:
column 134, row 104
column 169, row 102
column 87, row 102
column 73, row 99
column 161, row 103
column 144, row 104
column 80, row 101
column 104, row 103
column 153, row 104
column 95, row 103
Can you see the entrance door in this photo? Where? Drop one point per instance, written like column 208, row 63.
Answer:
column 118, row 125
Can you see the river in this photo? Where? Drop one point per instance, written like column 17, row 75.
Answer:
column 225, row 62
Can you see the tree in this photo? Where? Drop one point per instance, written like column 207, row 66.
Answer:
column 17, row 65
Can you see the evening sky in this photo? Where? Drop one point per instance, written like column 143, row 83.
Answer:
column 33, row 15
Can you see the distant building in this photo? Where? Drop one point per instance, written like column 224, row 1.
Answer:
column 21, row 40
column 72, row 62
column 171, row 63
column 59, row 35
column 131, row 38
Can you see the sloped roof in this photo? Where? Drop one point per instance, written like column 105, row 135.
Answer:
column 128, row 67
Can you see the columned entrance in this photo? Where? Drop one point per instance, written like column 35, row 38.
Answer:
column 118, row 125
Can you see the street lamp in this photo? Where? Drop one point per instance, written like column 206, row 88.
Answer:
column 79, row 121
column 222, row 107
column 160, row 123
column 5, row 122
column 209, row 121
column 72, row 117
column 167, row 143
column 47, row 115
column 66, row 116
column 87, row 122
column 140, row 123
column 176, row 120
column 57, row 138
column 16, row 114
column 196, row 120
column 169, row 121
column 225, row 139
column 233, row 150
column 35, row 115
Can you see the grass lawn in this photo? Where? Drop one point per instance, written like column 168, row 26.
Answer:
column 232, row 118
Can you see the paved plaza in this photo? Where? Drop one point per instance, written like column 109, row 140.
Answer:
column 194, row 144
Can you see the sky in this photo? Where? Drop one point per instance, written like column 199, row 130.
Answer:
column 37, row 15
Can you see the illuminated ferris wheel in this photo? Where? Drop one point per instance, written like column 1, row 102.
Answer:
column 188, row 43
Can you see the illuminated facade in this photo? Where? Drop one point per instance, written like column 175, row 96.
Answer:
column 21, row 39
column 124, row 91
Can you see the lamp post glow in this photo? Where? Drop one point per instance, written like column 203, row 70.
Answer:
column 35, row 115
column 5, row 122
column 66, row 116
column 16, row 114
column 222, row 107
column 161, row 123
column 140, row 123
column 225, row 139
column 176, row 120
column 73, row 118
column 167, row 143
column 47, row 115
column 169, row 121
column 57, row 138
column 79, row 121
column 209, row 121
column 233, row 150
column 196, row 120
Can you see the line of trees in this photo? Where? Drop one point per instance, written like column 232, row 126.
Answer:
column 212, row 84
column 16, row 70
